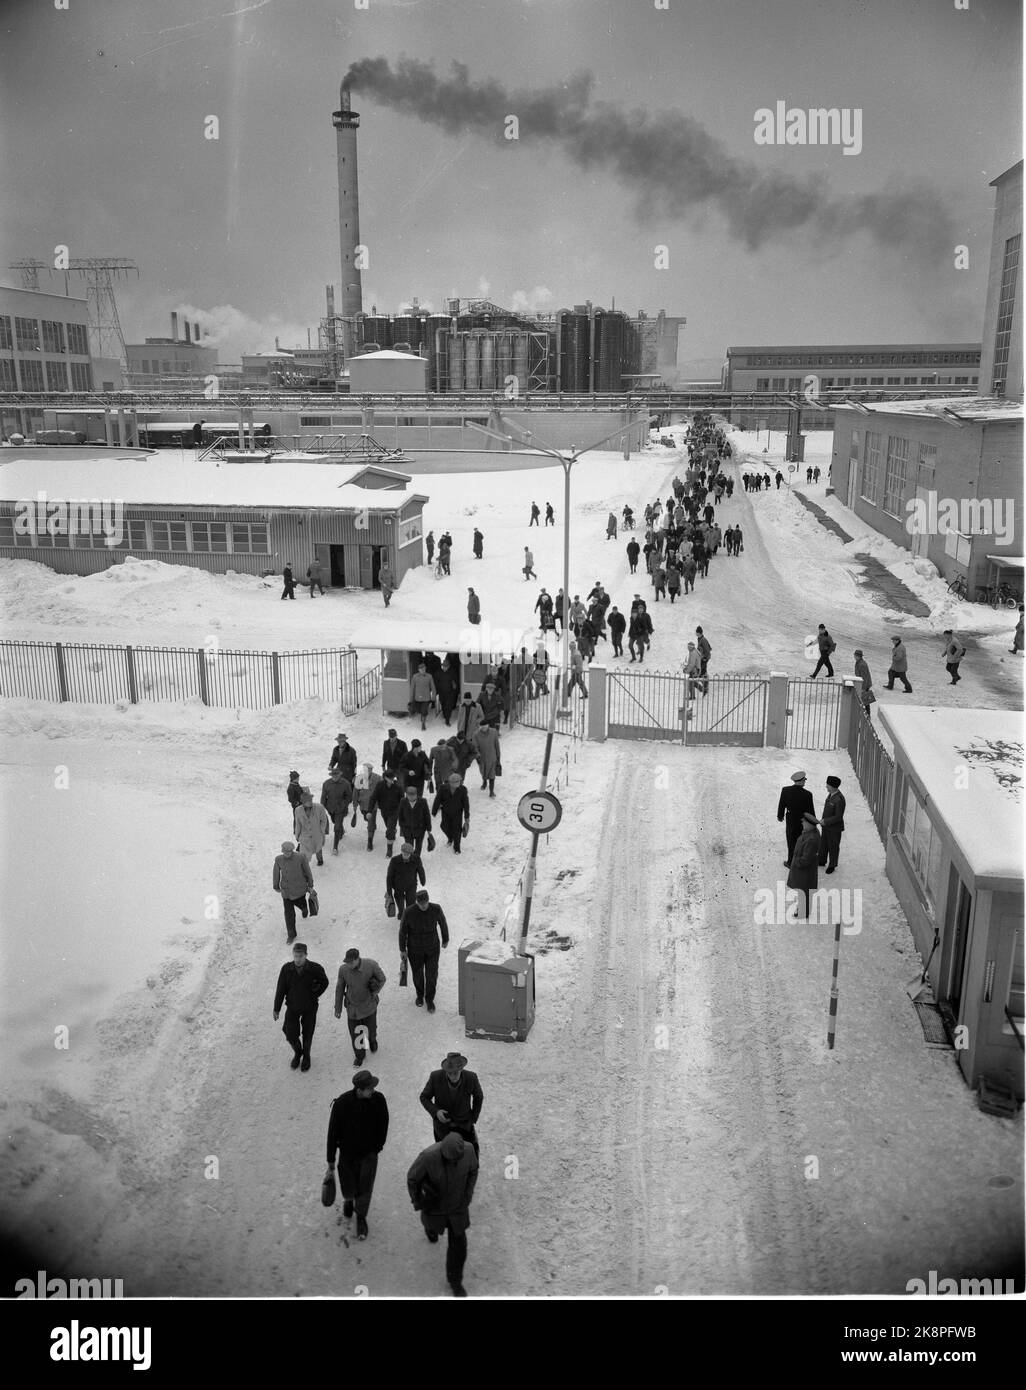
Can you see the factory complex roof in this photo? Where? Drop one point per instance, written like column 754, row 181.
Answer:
column 951, row 409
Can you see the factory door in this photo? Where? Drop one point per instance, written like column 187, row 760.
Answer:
column 370, row 565
column 338, row 566
column 952, row 971
column 323, row 553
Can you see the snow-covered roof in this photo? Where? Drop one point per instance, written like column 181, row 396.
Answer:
column 983, row 807
column 387, row 354
column 416, row 635
column 952, row 409
column 144, row 482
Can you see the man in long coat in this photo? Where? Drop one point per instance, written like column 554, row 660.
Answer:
column 441, row 1183
column 804, row 871
column 832, row 822
column 795, row 800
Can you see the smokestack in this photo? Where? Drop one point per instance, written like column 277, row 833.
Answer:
column 347, row 123
column 195, row 332
column 187, row 338
column 174, row 327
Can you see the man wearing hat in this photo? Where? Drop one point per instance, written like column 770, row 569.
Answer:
column 795, row 800
column 357, row 1130
column 311, row 827
column 832, row 821
column 414, row 816
column 293, row 879
column 453, row 1098
column 403, row 872
column 418, row 942
column 468, row 717
column 416, row 768
column 385, row 798
column 343, row 755
column 423, row 690
column 393, row 750
column 804, row 872
column 898, row 668
column 360, row 981
column 441, row 1183
column 294, row 792
column 336, row 798
column 301, row 983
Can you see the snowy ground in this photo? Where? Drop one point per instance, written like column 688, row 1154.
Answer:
column 665, row 1110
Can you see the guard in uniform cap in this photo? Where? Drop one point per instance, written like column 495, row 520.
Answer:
column 795, row 800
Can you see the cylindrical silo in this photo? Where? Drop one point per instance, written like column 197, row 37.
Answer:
column 504, row 359
column 472, row 361
column 456, row 355
column 487, row 361
column 520, row 361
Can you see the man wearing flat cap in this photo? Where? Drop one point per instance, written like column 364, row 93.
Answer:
column 795, row 800
column 804, row 874
column 832, row 822
column 453, row 1098
column 357, row 1130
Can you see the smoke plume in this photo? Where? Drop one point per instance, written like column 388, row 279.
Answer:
column 670, row 161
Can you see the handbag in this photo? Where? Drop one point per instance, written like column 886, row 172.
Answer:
column 403, row 970
column 313, row 904
column 389, row 905
column 328, row 1189
column 498, row 767
column 869, row 698
column 430, row 841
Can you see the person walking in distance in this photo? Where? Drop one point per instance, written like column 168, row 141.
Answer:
column 832, row 825
column 419, row 929
column 468, row 717
column 443, row 761
column 898, row 669
column 453, row 1098
column 673, row 581
column 357, row 1131
column 315, row 576
column 705, row 652
column 452, row 802
column 311, row 827
column 478, row 544
column 336, row 798
column 617, row 625
column 414, row 816
column 795, row 801
column 489, row 755
column 293, row 879
column 528, row 565
column 289, row 591
column 473, row 608
column 386, row 582
column 636, row 634
column 445, row 680
column 490, row 703
column 385, row 798
column 363, row 788
column 429, row 546
column 445, row 554
column 441, row 1182
column 360, row 982
column 865, row 693
column 576, row 671
column 804, row 871
column 633, row 554
column 294, row 793
column 693, row 671
column 953, row 653
column 422, row 692
column 405, row 869
column 301, row 983
column 393, row 751
column 343, row 755
column 611, row 527
column 826, row 645
column 535, row 514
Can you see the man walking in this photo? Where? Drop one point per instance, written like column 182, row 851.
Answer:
column 315, row 576
column 576, row 671
column 633, row 552
column 293, row 879
column 385, row 798
column 336, row 798
column 419, row 929
column 301, row 983
column 954, row 651
column 441, row 1183
column 862, row 672
column 453, row 1098
column 826, row 645
column 386, row 582
column 528, row 565
column 550, row 515
column 478, row 544
column 452, row 801
column 832, row 824
column 617, row 625
column 468, row 716
column 311, row 827
column 289, row 590
column 804, row 873
column 404, row 871
column 473, row 608
column 343, row 755
column 393, row 751
column 422, row 692
column 535, row 514
column 414, row 817
column 360, row 981
column 357, row 1130
column 898, row 669
column 795, row 801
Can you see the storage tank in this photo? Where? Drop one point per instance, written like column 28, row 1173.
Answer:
column 456, row 372
column 404, row 329
column 472, row 361
column 609, row 347
column 487, row 361
column 439, row 374
column 504, row 359
column 377, row 328
column 521, row 368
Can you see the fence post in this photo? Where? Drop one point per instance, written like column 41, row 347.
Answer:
column 776, row 711
column 62, row 671
column 133, row 690
column 201, row 660
column 845, row 713
column 597, row 703
column 275, row 679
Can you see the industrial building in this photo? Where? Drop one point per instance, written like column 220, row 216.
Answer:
column 875, row 369
column 178, row 360
column 1001, row 365
column 247, row 518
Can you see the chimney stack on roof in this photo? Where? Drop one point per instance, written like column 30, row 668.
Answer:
column 174, row 327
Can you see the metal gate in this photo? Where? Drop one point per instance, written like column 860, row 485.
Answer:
column 813, row 714
column 727, row 710
column 645, row 704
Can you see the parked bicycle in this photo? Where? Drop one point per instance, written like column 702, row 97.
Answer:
column 959, row 586
column 998, row 596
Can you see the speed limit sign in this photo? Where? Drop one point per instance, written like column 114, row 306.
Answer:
column 792, row 468
column 539, row 811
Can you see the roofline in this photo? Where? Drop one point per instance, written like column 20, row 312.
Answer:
column 853, row 347
column 1015, row 168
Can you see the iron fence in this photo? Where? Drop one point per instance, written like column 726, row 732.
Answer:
column 646, row 704
column 727, row 710
column 874, row 767
column 813, row 714
column 90, row 673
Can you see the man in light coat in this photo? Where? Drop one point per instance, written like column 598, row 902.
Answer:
column 293, row 879
column 311, row 827
column 898, row 669
column 468, row 717
column 360, row 982
column 422, row 692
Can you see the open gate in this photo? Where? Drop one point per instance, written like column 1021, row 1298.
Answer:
column 727, row 710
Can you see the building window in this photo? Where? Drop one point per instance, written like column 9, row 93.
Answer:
column 778, row 383
column 7, row 378
column 896, row 475
column 927, row 462
column 78, row 339
column 911, row 381
column 961, row 381
column 844, row 381
column 249, row 538
column 894, row 381
column 959, row 545
column 7, row 531
column 876, row 381
column 31, row 375
column 53, row 336
column 411, row 530
column 860, row 381
column 169, row 535
column 81, row 376
column 871, row 468
column 56, row 376
column 6, row 341
column 1006, row 302
column 317, row 421
column 794, row 383
column 27, row 334
column 210, row 537
column 922, row 843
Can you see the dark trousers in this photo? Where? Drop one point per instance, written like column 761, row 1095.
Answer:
column 424, row 969
column 792, row 829
column 290, row 905
column 617, row 638
column 577, row 679
column 456, row 1253
column 371, row 1025
column 390, row 826
column 316, row 584
column 634, row 566
column 952, row 669
column 356, row 1176
column 824, row 660
column 289, row 591
column 893, row 676
column 637, row 647
column 339, row 822
column 296, row 1021
column 830, row 847
column 405, row 897
column 453, row 829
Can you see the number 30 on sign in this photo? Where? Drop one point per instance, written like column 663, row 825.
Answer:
column 539, row 811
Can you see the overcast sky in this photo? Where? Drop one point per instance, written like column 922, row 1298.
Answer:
column 102, row 111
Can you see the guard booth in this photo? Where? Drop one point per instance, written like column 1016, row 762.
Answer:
column 403, row 644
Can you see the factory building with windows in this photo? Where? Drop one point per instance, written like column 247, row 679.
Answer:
column 877, row 369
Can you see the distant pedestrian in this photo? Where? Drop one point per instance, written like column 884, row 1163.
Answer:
column 336, row 798
column 441, row 1183
column 633, row 552
column 1017, row 635
column 453, row 1098
column 447, row 685
column 385, row 798
column 360, row 982
column 301, row 983
column 953, row 653
column 386, row 583
column 826, row 645
column 693, row 671
column 778, row 478
column 293, row 879
column 815, row 475
column 576, row 671
column 357, row 1131
column 739, row 541
column 311, row 827
column 473, row 607
column 832, row 824
column 704, row 651
column 405, row 869
column 535, row 514
column 420, row 927
column 488, row 755
column 452, row 802
column 528, row 565
column 617, row 624
column 808, row 474
column 862, row 672
column 315, row 576
column 343, row 755
column 478, row 544
column 468, row 717
column 550, row 515
column 490, row 703
column 393, row 751
column 414, row 818
column 688, row 573
column 289, row 590
column 294, row 793
column 804, row 871
column 445, row 554
column 443, row 761
column 429, row 545
column 415, row 767
column 659, row 580
column 611, row 527
column 795, row 801
column 898, row 669
column 673, row 582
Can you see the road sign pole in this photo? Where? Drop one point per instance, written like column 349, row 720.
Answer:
column 535, row 834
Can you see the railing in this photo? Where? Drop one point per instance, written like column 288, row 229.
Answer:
column 874, row 767
column 813, row 714
column 90, row 673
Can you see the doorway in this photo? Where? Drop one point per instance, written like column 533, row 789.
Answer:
column 323, row 553
column 370, row 565
column 338, row 566
column 957, row 919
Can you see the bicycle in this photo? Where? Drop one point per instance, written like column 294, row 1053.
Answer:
column 997, row 595
column 959, row 586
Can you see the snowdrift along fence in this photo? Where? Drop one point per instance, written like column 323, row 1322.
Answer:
column 108, row 674
column 874, row 767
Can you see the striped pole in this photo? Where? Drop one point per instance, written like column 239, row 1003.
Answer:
column 832, row 1018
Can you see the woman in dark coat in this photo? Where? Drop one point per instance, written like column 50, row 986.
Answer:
column 803, row 874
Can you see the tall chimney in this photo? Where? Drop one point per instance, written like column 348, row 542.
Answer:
column 347, row 123
column 187, row 338
column 174, row 326
column 195, row 331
